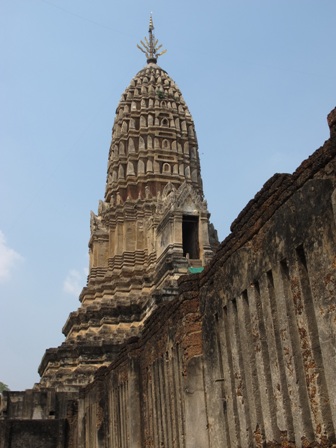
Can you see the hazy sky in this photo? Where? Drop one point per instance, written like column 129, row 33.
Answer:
column 258, row 77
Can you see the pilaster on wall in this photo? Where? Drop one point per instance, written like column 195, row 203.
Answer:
column 269, row 318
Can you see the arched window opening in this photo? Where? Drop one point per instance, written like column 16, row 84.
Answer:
column 166, row 168
column 190, row 237
column 165, row 144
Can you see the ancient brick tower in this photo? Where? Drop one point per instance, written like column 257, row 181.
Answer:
column 152, row 226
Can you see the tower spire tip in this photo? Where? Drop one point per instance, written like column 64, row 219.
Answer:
column 151, row 45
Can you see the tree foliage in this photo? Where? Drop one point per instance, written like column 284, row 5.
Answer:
column 3, row 387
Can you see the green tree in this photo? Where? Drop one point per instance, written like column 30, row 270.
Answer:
column 3, row 387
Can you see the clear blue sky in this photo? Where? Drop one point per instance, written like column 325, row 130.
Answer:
column 259, row 79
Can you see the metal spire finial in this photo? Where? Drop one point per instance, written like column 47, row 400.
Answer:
column 150, row 47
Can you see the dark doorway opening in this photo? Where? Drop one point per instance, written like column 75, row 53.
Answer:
column 190, row 237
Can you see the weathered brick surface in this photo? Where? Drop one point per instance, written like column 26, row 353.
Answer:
column 269, row 317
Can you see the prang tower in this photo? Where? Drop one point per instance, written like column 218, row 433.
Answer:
column 152, row 227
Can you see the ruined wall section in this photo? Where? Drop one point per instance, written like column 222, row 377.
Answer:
column 269, row 323
column 33, row 434
column 37, row 419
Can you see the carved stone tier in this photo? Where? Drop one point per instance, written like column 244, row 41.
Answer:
column 153, row 140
